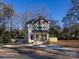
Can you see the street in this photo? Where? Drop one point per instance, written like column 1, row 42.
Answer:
column 29, row 53
column 15, row 53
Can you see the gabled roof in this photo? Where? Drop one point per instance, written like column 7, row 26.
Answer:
column 36, row 19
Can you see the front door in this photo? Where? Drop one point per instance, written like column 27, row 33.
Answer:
column 37, row 37
column 44, row 37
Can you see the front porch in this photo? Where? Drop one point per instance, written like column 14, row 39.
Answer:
column 39, row 38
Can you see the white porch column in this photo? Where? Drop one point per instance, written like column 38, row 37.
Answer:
column 29, row 33
column 48, row 36
column 29, row 38
column 40, row 37
column 34, row 42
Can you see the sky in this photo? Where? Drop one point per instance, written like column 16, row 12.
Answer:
column 53, row 8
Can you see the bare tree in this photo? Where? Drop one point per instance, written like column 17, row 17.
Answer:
column 71, row 17
column 6, row 12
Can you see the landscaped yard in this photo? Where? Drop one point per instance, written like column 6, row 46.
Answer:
column 70, row 43
column 29, row 29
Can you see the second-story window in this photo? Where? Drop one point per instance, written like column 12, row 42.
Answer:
column 43, row 27
column 43, row 22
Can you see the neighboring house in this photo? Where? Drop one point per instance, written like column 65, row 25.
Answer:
column 38, row 30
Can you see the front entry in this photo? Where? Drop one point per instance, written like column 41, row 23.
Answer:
column 44, row 37
column 39, row 38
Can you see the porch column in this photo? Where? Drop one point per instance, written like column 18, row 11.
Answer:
column 48, row 36
column 34, row 42
column 40, row 37
column 29, row 38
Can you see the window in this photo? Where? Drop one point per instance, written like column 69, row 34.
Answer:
column 44, row 37
column 43, row 22
column 37, row 36
column 44, row 28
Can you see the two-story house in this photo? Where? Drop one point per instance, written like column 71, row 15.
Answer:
column 38, row 30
